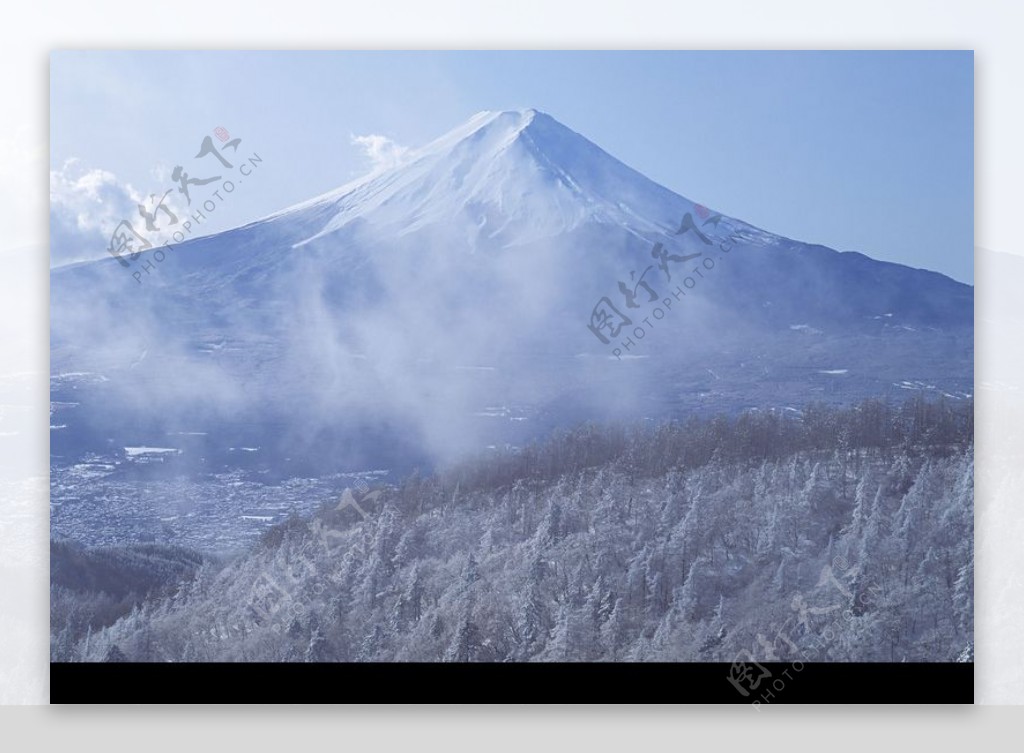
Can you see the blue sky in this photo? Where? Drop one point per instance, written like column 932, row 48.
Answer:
column 869, row 151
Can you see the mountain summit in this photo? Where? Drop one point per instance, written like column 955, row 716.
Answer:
column 514, row 176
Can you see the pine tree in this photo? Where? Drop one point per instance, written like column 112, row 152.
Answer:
column 615, row 631
column 466, row 644
column 534, row 621
column 867, row 488
column 713, row 633
column 373, row 645
column 114, row 654
column 963, row 599
column 318, row 649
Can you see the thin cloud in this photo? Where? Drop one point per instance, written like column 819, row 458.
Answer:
column 381, row 151
column 86, row 204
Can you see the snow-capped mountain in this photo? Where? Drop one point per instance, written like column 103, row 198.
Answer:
column 502, row 280
column 515, row 177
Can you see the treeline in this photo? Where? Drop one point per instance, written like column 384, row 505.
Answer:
column 645, row 449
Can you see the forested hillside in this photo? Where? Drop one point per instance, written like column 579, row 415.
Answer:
column 92, row 587
column 826, row 534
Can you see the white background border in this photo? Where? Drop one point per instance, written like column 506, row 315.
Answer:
column 995, row 30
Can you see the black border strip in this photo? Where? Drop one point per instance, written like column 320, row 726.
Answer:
column 549, row 683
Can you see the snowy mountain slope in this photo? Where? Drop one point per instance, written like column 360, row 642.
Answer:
column 516, row 176
column 447, row 301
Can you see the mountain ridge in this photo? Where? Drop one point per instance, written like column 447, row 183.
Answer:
column 453, row 293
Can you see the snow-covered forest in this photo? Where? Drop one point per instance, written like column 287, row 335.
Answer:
column 826, row 534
